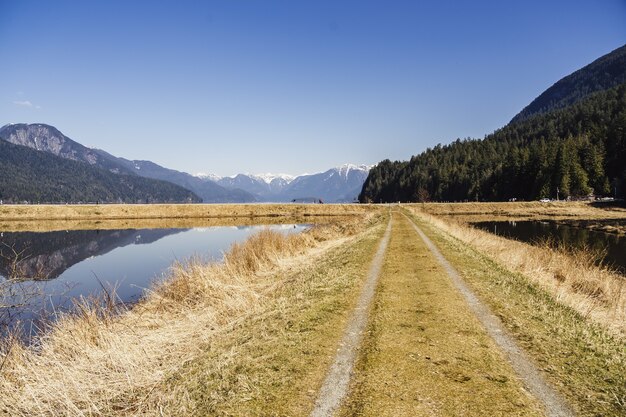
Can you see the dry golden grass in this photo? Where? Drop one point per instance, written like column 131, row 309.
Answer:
column 108, row 360
column 16, row 218
column 573, row 279
column 160, row 211
column 274, row 361
column 531, row 209
column 154, row 223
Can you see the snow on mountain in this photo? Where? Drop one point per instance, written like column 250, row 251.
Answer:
column 339, row 184
column 344, row 170
column 210, row 177
column 268, row 178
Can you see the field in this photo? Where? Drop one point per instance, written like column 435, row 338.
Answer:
column 257, row 334
column 14, row 218
column 159, row 211
column 527, row 210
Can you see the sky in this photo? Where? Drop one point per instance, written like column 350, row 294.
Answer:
column 231, row 86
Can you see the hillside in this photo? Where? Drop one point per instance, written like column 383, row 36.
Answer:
column 36, row 176
column 564, row 153
column 604, row 73
column 46, row 138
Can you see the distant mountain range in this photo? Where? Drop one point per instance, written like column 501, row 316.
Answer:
column 341, row 184
column 208, row 191
column 47, row 166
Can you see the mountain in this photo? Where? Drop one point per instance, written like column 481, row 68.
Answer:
column 45, row 138
column 36, row 176
column 265, row 187
column 604, row 73
column 562, row 152
column 249, row 183
column 48, row 139
column 208, row 191
column 341, row 184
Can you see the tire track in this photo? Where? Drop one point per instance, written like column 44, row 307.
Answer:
column 534, row 382
column 336, row 384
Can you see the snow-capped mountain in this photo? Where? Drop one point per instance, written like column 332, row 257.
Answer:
column 269, row 178
column 211, row 177
column 340, row 184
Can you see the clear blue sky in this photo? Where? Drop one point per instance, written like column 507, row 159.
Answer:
column 288, row 86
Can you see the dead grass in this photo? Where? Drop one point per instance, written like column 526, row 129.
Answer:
column 274, row 361
column 174, row 211
column 160, row 223
column 531, row 209
column 572, row 278
column 99, row 363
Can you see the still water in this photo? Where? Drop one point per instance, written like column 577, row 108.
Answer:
column 611, row 245
column 51, row 268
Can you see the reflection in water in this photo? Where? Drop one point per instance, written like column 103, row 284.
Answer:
column 612, row 246
column 42, row 273
column 39, row 256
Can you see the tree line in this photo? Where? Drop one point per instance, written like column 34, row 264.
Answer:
column 574, row 151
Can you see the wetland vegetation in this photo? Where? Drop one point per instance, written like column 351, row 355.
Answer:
column 608, row 249
column 257, row 332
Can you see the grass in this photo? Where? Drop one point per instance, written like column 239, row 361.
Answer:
column 237, row 321
column 532, row 209
column 173, row 211
column 256, row 334
column 572, row 278
column 425, row 353
column 578, row 345
column 273, row 363
column 161, row 223
column 16, row 218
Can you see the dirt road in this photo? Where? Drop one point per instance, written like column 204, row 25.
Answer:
column 430, row 346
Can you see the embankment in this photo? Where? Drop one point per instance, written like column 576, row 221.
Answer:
column 192, row 346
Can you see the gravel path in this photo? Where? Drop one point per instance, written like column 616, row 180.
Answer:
column 534, row 382
column 337, row 381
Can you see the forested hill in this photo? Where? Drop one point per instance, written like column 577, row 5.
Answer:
column 578, row 150
column 35, row 176
column 604, row 73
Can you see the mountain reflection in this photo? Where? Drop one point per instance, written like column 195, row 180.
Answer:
column 44, row 256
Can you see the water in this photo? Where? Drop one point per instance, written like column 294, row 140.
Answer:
column 52, row 268
column 612, row 245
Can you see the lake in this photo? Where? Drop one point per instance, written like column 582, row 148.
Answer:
column 533, row 231
column 51, row 268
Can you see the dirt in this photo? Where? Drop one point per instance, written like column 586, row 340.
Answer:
column 392, row 361
column 335, row 386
